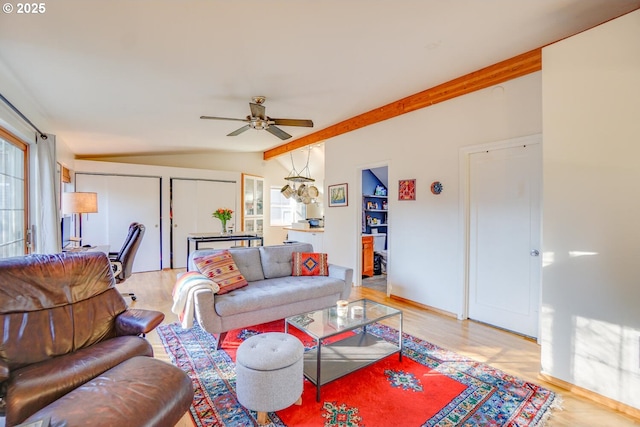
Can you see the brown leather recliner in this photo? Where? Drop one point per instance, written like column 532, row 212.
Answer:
column 63, row 325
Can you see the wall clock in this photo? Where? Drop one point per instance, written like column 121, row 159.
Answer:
column 436, row 187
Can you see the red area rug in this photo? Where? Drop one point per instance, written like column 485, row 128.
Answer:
column 431, row 386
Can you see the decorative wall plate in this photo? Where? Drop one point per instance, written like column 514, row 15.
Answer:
column 436, row 187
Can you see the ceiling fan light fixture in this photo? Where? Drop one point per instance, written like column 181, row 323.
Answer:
column 258, row 120
column 260, row 124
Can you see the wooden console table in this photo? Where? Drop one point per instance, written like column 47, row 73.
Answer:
column 198, row 238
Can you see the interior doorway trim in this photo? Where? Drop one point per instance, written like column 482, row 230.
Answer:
column 359, row 212
column 464, row 220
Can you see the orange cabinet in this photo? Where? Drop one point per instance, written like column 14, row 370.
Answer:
column 367, row 255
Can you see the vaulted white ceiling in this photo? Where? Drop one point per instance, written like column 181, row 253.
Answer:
column 121, row 76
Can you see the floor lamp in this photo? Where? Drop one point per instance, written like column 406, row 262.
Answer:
column 79, row 203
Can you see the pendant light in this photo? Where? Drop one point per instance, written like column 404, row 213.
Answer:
column 298, row 187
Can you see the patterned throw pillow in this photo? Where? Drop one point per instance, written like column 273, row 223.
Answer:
column 221, row 268
column 310, row 264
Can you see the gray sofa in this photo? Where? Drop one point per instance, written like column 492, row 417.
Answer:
column 273, row 293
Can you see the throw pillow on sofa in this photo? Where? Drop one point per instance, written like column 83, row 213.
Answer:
column 310, row 264
column 221, row 268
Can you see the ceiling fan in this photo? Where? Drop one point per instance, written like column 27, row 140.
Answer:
column 258, row 120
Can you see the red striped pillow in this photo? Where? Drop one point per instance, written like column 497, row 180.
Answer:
column 221, row 268
column 310, row 264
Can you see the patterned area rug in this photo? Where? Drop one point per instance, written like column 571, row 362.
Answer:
column 431, row 386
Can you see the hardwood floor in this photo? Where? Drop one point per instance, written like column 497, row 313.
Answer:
column 378, row 283
column 503, row 350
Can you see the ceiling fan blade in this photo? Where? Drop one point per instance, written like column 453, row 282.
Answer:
column 239, row 131
column 257, row 110
column 293, row 122
column 224, row 118
column 278, row 132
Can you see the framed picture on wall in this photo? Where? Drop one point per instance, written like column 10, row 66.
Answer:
column 338, row 195
column 407, row 189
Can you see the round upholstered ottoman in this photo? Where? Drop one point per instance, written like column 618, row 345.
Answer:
column 269, row 372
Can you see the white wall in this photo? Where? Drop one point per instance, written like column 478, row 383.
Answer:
column 226, row 166
column 165, row 173
column 425, row 249
column 591, row 281
column 272, row 235
column 28, row 105
column 13, row 123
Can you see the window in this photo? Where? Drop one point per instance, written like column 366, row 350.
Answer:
column 285, row 211
column 13, row 195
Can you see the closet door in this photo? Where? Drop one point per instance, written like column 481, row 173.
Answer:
column 192, row 203
column 122, row 200
column 504, row 237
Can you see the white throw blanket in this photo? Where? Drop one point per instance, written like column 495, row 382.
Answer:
column 183, row 292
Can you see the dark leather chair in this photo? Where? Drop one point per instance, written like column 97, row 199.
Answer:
column 122, row 262
column 71, row 351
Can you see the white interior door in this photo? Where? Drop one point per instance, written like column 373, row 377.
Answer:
column 122, row 200
column 504, row 240
column 192, row 203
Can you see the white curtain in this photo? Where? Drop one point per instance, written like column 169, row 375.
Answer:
column 46, row 227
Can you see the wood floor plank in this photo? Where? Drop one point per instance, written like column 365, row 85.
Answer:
column 509, row 352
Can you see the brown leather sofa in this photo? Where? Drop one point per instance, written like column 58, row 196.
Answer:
column 72, row 351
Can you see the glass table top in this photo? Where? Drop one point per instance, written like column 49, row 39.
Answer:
column 326, row 322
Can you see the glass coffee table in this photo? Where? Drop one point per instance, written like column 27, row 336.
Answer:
column 332, row 359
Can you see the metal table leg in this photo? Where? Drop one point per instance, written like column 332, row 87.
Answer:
column 318, row 370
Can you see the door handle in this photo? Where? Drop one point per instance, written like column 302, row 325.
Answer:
column 535, row 252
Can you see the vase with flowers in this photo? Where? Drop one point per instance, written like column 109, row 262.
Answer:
column 224, row 215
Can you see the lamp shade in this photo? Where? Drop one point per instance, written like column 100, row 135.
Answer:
column 79, row 203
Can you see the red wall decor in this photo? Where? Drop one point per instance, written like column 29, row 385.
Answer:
column 407, row 189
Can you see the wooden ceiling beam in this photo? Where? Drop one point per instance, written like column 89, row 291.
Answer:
column 512, row 68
